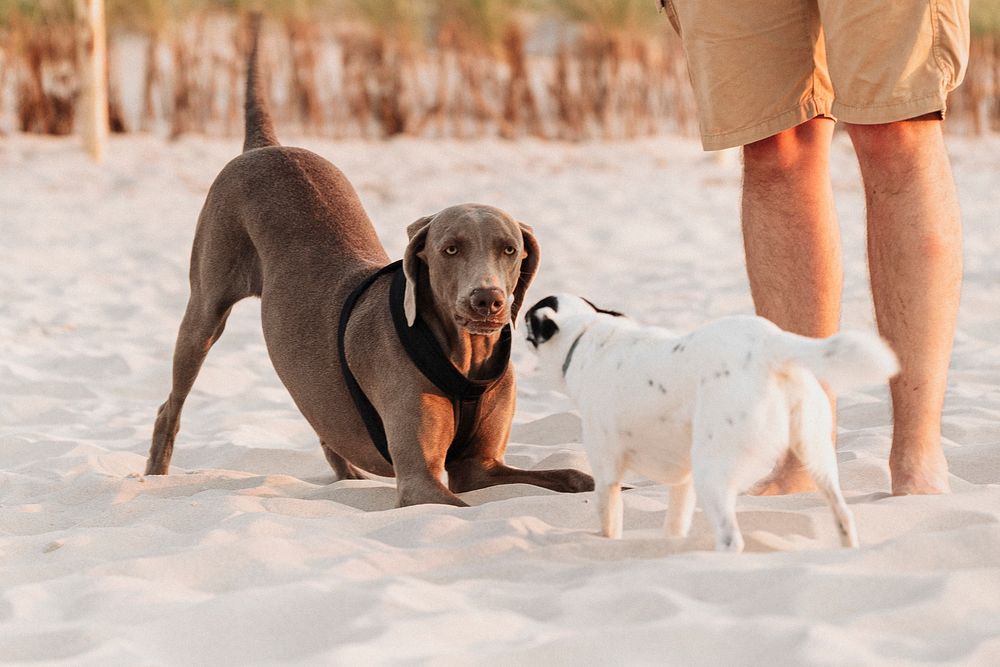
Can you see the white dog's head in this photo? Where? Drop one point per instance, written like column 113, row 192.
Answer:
column 554, row 327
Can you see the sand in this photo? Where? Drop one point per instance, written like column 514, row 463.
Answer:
column 249, row 552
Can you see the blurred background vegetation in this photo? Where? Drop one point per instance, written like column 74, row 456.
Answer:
column 559, row 69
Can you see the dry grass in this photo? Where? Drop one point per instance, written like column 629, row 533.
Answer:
column 564, row 69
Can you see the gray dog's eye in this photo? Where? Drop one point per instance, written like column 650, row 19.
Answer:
column 509, row 250
column 451, row 250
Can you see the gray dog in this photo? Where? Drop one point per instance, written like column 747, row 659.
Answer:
column 402, row 370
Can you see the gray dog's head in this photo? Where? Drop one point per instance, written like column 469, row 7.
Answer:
column 477, row 262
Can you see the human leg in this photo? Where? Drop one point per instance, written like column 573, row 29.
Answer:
column 915, row 259
column 792, row 246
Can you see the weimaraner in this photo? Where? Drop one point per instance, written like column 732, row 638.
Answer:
column 285, row 225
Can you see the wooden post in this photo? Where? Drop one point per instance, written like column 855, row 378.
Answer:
column 92, row 51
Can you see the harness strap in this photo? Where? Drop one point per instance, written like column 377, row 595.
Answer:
column 369, row 415
column 466, row 426
column 423, row 350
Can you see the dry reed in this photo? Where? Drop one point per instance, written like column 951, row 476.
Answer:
column 450, row 71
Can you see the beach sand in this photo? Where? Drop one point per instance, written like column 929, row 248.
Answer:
column 250, row 553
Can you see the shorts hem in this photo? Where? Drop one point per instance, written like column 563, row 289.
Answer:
column 889, row 113
column 808, row 110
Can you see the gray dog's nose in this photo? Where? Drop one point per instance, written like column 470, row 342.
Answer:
column 487, row 301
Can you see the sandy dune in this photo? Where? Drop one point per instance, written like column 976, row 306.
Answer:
column 249, row 554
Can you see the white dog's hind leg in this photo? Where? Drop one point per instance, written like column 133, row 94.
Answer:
column 715, row 466
column 717, row 496
column 811, row 427
column 821, row 461
column 681, row 509
column 844, row 517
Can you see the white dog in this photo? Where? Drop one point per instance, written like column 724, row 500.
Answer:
column 709, row 413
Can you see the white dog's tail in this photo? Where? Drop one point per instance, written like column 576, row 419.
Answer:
column 845, row 361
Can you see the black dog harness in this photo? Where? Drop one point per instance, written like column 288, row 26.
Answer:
column 425, row 353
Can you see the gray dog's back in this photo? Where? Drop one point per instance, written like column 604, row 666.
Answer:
column 285, row 225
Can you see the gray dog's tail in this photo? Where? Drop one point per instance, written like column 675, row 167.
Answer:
column 259, row 126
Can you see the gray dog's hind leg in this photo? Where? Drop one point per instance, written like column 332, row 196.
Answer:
column 340, row 465
column 202, row 325
column 224, row 270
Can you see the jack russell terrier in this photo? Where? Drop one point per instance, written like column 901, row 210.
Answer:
column 709, row 413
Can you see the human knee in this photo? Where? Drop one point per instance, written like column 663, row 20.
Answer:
column 889, row 141
column 790, row 151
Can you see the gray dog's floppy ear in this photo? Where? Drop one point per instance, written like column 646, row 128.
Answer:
column 529, row 267
column 417, row 233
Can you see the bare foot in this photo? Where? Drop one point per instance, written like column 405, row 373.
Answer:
column 789, row 476
column 916, row 473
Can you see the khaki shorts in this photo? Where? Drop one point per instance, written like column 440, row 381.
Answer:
column 762, row 66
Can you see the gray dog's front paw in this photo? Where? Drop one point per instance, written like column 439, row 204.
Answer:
column 575, row 481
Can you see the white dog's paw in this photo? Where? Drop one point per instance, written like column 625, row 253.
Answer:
column 732, row 543
column 612, row 532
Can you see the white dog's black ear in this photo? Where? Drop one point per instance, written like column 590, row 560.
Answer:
column 541, row 327
column 417, row 233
